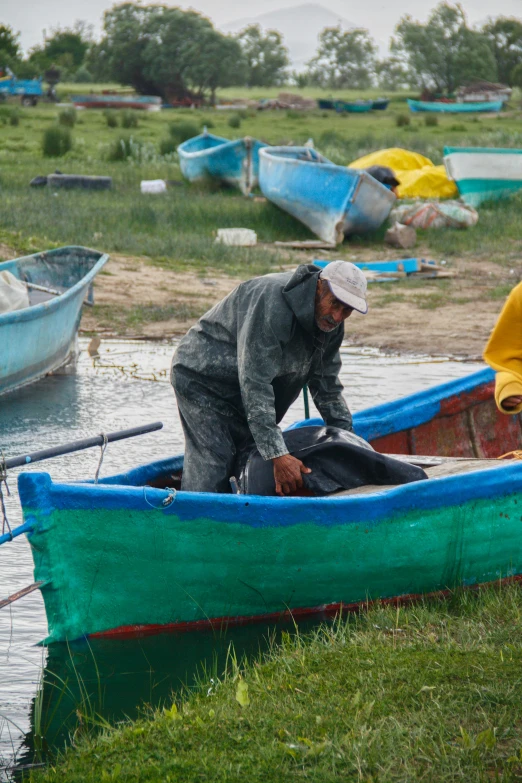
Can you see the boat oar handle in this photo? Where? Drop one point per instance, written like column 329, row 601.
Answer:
column 79, row 445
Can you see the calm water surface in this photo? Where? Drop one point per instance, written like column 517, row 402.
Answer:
column 128, row 385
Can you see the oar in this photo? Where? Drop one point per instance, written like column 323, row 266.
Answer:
column 68, row 448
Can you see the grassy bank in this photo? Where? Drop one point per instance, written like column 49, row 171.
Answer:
column 178, row 229
column 430, row 692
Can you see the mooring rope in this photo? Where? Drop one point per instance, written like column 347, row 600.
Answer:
column 3, row 510
column 103, row 448
column 165, row 502
column 517, row 454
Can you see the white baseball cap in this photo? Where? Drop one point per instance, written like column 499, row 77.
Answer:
column 347, row 283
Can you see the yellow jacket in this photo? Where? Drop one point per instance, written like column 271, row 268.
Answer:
column 504, row 350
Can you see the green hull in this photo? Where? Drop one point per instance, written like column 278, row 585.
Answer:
column 110, row 560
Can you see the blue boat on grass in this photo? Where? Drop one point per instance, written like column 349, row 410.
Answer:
column 333, row 201
column 232, row 162
column 484, row 173
column 39, row 339
column 441, row 107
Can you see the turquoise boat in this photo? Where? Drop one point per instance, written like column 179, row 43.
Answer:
column 333, row 201
column 353, row 107
column 380, row 104
column 484, row 173
column 133, row 555
column 454, row 108
column 231, row 162
column 41, row 338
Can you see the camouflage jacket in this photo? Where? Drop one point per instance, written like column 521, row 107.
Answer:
column 252, row 353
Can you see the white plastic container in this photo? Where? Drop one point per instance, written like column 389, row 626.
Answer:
column 237, row 237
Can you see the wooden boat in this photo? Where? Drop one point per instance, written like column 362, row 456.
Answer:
column 484, row 173
column 90, row 101
column 353, row 107
column 329, row 105
column 443, row 107
column 126, row 556
column 333, row 201
column 380, row 104
column 232, row 162
column 39, row 339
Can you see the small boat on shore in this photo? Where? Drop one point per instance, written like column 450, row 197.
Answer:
column 131, row 555
column 323, row 103
column 380, row 104
column 333, row 201
column 41, row 338
column 484, row 173
column 232, row 162
column 443, row 107
column 110, row 101
column 353, row 107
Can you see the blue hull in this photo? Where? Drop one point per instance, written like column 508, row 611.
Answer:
column 232, row 162
column 454, row 108
column 333, row 201
column 39, row 339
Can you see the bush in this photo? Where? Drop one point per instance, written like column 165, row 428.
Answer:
column 56, row 141
column 110, row 118
column 83, row 76
column 9, row 114
column 68, row 117
column 431, row 120
column 207, row 122
column 124, row 148
column 129, row 119
column 181, row 131
column 401, row 120
column 167, row 146
column 234, row 121
column 457, row 127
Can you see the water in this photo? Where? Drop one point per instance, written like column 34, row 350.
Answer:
column 128, row 385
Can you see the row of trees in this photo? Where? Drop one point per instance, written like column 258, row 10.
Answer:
column 174, row 53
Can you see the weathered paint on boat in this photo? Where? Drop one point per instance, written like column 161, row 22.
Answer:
column 234, row 162
column 454, row 108
column 484, row 173
column 407, row 265
column 146, row 102
column 333, row 201
column 121, row 555
column 39, row 339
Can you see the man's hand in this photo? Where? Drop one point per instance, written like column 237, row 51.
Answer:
column 511, row 402
column 287, row 474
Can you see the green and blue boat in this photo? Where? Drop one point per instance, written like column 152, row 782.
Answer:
column 134, row 554
column 484, row 173
column 447, row 107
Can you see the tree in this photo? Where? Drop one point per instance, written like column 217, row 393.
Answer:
column 444, row 52
column 344, row 59
column 392, row 74
column 505, row 38
column 166, row 51
column 265, row 55
column 9, row 47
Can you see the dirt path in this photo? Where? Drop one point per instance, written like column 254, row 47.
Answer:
column 134, row 298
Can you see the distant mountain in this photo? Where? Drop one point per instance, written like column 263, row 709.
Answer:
column 299, row 26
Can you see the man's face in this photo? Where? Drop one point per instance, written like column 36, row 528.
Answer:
column 329, row 311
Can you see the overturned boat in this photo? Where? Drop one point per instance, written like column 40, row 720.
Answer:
column 39, row 336
column 133, row 555
column 333, row 201
column 232, row 162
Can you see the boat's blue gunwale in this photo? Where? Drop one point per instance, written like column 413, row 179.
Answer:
column 38, row 491
column 499, row 150
column 35, row 311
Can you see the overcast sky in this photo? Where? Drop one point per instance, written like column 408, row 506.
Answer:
column 32, row 17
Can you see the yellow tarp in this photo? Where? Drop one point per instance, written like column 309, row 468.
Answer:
column 417, row 175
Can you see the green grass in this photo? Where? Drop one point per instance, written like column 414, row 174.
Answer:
column 427, row 693
column 178, row 229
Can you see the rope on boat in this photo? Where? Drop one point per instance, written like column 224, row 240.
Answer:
column 103, row 448
column 3, row 510
column 171, row 497
column 517, row 454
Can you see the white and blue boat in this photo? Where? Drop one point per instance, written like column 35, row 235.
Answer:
column 41, row 338
column 232, row 162
column 484, row 173
column 441, row 107
column 333, row 201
